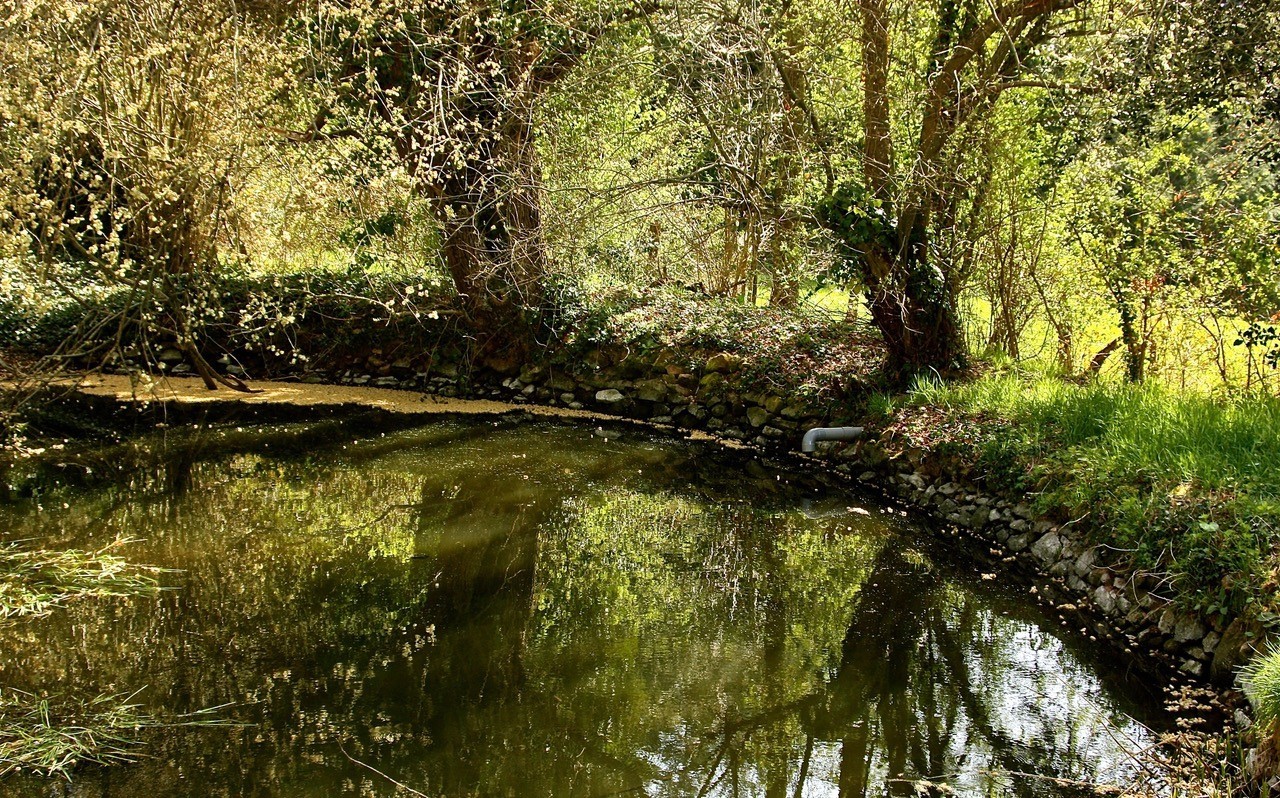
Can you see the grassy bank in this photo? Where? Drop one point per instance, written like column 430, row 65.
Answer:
column 1183, row 485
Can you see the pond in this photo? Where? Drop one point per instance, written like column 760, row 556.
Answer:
column 495, row 608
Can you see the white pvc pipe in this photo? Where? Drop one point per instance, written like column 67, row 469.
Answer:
column 807, row 443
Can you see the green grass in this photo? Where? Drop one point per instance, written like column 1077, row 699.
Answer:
column 1188, row 484
column 50, row 736
column 34, row 581
column 1261, row 679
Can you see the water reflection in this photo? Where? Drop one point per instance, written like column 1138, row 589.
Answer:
column 480, row 609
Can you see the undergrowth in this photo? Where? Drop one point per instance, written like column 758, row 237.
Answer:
column 1187, row 484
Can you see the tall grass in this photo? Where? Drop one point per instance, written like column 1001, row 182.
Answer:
column 1190, row 484
column 35, row 581
column 49, row 736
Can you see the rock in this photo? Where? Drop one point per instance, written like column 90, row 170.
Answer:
column 948, row 489
column 385, row 382
column 913, row 479
column 529, row 390
column 1019, row 525
column 1188, row 628
column 1017, row 543
column 610, row 396
column 1023, row 511
column 1084, row 563
column 562, row 383
column 793, row 411
column 1192, row 667
column 1210, row 642
column 757, row 416
column 567, row 397
column 170, row 355
column 722, row 362
column 712, row 384
column 994, row 515
column 1239, row 642
column 772, row 432
column 1110, row 601
column 532, row 373
column 773, row 403
column 867, row 476
column 1047, row 548
column 651, row 390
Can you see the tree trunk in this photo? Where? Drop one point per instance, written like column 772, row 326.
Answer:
column 918, row 324
column 785, row 291
column 912, row 307
column 908, row 297
column 491, row 242
column 1134, row 349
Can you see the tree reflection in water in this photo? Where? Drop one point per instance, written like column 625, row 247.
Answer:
column 481, row 609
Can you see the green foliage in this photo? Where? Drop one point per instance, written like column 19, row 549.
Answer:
column 1261, row 678
column 803, row 351
column 856, row 220
column 52, row 735
column 35, row 581
column 1184, row 482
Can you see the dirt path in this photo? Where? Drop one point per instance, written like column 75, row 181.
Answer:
column 191, row 390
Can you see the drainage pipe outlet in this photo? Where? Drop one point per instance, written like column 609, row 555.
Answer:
column 811, row 438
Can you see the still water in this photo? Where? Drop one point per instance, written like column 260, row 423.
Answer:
column 489, row 608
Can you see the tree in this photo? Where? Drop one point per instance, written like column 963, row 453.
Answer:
column 887, row 219
column 737, row 70
column 1176, row 216
column 126, row 126
column 448, row 91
